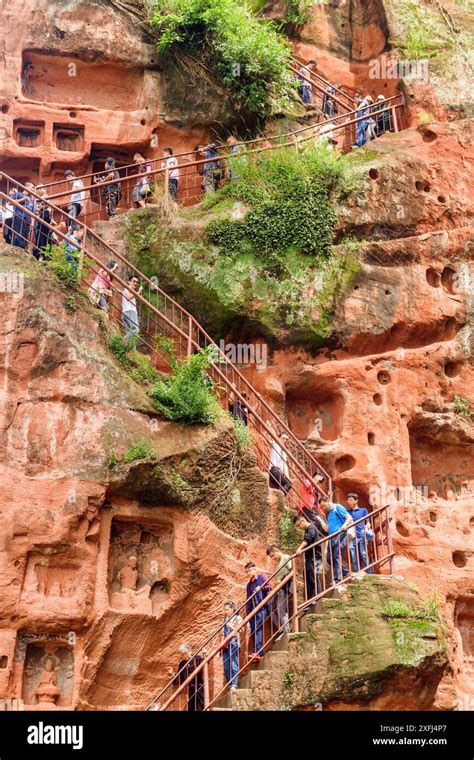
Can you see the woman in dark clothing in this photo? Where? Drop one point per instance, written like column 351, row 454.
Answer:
column 195, row 687
column 21, row 221
column 42, row 233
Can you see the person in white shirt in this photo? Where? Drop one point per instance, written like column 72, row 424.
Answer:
column 76, row 201
column 8, row 219
column 130, row 319
column 279, row 475
column 171, row 162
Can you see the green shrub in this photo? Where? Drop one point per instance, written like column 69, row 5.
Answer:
column 65, row 266
column 139, row 450
column 397, row 609
column 243, row 437
column 290, row 536
column 186, row 395
column 462, row 406
column 132, row 361
column 246, row 54
column 290, row 205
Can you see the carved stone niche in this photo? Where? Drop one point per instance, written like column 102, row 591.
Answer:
column 28, row 134
column 51, row 572
column 140, row 566
column 68, row 138
column 48, row 671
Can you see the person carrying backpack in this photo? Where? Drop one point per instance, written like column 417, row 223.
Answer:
column 338, row 521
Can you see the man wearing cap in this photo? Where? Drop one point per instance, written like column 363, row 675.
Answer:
column 363, row 530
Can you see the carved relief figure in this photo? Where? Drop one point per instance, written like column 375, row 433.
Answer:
column 128, row 575
column 47, row 689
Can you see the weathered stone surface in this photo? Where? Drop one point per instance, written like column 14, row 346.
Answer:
column 72, row 512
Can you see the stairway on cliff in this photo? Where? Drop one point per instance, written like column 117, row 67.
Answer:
column 242, row 698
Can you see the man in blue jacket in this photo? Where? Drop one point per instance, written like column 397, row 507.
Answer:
column 338, row 520
column 257, row 589
column 362, row 529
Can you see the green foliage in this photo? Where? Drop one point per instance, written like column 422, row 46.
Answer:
column 288, row 679
column 462, row 406
column 186, row 395
column 112, row 460
column 141, row 235
column 243, row 437
column 298, row 12
column 132, row 361
column 397, row 609
column 417, row 45
column 290, row 537
column 139, row 450
column 64, row 265
column 245, row 53
column 291, row 211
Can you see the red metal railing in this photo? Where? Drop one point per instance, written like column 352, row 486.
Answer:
column 320, row 85
column 341, row 130
column 314, row 573
column 159, row 315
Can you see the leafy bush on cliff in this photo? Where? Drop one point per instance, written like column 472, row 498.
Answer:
column 246, row 54
column 186, row 394
column 290, row 208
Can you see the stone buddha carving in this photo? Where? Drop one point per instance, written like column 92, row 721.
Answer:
column 128, row 575
column 47, row 689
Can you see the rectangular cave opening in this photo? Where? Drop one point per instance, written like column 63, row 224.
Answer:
column 68, row 138
column 441, row 467
column 140, row 564
column 28, row 134
column 3, row 661
column 67, row 79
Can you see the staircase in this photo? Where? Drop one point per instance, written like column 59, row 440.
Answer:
column 161, row 315
column 294, row 594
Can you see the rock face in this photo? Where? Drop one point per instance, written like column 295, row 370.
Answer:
column 73, row 513
column 374, row 648
column 80, row 84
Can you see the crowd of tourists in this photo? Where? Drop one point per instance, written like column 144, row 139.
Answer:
column 371, row 117
column 345, row 551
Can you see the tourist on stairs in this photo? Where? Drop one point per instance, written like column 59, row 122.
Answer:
column 101, row 287
column 257, row 590
column 170, row 162
column 338, row 521
column 230, row 650
column 130, row 319
column 111, row 191
column 281, row 601
column 142, row 188
column 363, row 110
column 363, row 531
column 21, row 221
column 313, row 566
column 304, row 74
column 8, row 211
column 186, row 666
column 279, row 475
column 76, row 201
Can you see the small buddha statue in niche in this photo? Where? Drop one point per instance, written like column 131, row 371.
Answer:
column 47, row 689
column 128, row 575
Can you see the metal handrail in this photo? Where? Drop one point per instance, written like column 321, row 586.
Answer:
column 293, row 63
column 298, row 61
column 302, row 460
column 345, row 122
column 298, row 609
